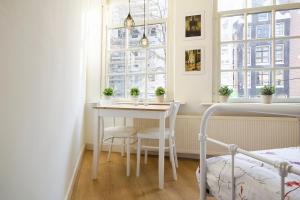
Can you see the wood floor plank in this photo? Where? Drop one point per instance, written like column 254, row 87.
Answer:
column 113, row 184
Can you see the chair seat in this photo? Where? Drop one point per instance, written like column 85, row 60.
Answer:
column 119, row 131
column 152, row 133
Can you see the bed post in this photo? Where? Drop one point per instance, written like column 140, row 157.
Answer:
column 283, row 168
column 203, row 139
column 233, row 150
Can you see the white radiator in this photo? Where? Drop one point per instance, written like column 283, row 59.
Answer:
column 250, row 133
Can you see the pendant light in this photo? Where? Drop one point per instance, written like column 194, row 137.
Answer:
column 144, row 41
column 129, row 22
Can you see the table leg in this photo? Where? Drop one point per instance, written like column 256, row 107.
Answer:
column 128, row 157
column 161, row 153
column 97, row 135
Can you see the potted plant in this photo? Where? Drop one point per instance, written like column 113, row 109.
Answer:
column 224, row 93
column 266, row 93
column 108, row 93
column 134, row 93
column 160, row 94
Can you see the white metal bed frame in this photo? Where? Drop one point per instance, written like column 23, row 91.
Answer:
column 292, row 110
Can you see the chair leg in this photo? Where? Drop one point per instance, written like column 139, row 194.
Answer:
column 128, row 156
column 175, row 153
column 146, row 156
column 172, row 160
column 110, row 149
column 138, row 159
column 123, row 147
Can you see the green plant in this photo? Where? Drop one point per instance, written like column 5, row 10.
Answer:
column 108, row 92
column 225, row 91
column 135, row 92
column 268, row 90
column 160, row 91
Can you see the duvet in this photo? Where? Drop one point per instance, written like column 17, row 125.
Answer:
column 254, row 180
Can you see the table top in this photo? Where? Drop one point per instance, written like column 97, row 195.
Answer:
column 141, row 107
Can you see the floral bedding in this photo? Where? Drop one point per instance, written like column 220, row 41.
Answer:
column 254, row 180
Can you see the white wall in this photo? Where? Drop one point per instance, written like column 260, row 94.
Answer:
column 192, row 89
column 42, row 85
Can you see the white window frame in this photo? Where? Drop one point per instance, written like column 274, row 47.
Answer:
column 262, row 54
column 283, row 27
column 282, row 51
column 105, row 70
column 262, row 25
column 245, row 11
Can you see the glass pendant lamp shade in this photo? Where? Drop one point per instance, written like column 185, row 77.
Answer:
column 144, row 41
column 129, row 22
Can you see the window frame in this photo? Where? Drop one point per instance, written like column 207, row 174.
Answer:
column 106, row 53
column 273, row 38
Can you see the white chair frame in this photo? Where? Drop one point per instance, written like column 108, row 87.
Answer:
column 171, row 143
column 274, row 109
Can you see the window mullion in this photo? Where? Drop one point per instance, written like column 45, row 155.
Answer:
column 246, row 53
column 273, row 22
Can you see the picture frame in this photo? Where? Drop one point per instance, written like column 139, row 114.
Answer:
column 194, row 26
column 194, row 63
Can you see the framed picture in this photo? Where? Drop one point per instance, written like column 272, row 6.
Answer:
column 194, row 61
column 194, row 26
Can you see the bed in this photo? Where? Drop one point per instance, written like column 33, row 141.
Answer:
column 267, row 174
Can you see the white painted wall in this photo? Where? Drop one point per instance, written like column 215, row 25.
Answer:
column 42, row 85
column 192, row 89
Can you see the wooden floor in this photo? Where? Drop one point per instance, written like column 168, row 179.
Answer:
column 112, row 183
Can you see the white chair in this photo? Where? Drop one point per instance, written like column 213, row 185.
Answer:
column 120, row 132
column 153, row 134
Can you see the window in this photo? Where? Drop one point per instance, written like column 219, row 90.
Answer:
column 263, row 31
column 128, row 64
column 279, row 29
column 262, row 17
column 252, row 54
column 262, row 55
column 279, row 54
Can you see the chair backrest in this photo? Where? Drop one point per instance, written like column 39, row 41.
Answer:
column 174, row 110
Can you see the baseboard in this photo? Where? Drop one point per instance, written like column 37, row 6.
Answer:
column 75, row 172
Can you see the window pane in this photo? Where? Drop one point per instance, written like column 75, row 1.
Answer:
column 136, row 80
column 232, row 28
column 157, row 9
column 232, row 56
column 116, row 62
column 135, row 36
column 258, row 3
column 137, row 10
column 287, row 83
column 287, row 53
column 286, row 1
column 136, row 61
column 156, row 34
column 234, row 80
column 256, row 80
column 228, row 5
column 118, row 13
column 156, row 60
column 155, row 81
column 117, row 38
column 259, row 25
column 261, row 54
column 289, row 20
column 118, row 83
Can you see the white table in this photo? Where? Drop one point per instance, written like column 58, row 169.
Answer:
column 160, row 112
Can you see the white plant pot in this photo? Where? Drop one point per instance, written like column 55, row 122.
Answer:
column 160, row 99
column 224, row 99
column 135, row 100
column 107, row 100
column 266, row 99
